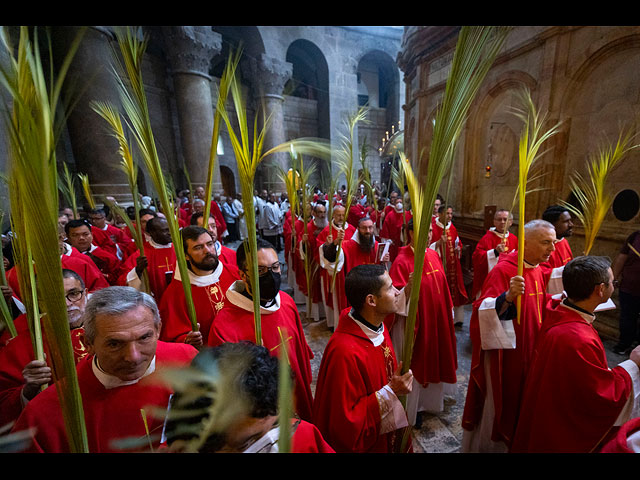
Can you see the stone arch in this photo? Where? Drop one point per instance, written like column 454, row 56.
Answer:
column 491, row 138
column 379, row 77
column 601, row 99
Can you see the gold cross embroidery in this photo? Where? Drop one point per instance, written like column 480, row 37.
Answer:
column 167, row 267
column 282, row 342
column 433, row 270
column 538, row 292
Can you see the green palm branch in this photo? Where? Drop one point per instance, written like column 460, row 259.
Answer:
column 68, row 188
column 86, row 188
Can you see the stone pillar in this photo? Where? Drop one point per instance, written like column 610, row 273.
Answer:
column 272, row 75
column 189, row 52
column 90, row 78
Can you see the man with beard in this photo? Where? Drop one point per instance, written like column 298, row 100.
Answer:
column 360, row 249
column 334, row 299
column 225, row 254
column 21, row 375
column 280, row 321
column 209, row 280
column 272, row 221
column 446, row 242
column 496, row 241
column 560, row 218
column 308, row 252
column 159, row 260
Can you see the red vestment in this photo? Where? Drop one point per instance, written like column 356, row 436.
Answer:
column 13, row 358
column 558, row 258
column 298, row 264
column 508, row 366
column 235, row 323
column 619, row 443
column 308, row 439
column 484, row 253
column 356, row 212
column 434, row 357
column 326, row 277
column 450, row 261
column 392, row 229
column 354, row 255
column 161, row 264
column 571, row 397
column 346, row 409
column 110, row 414
column 309, row 248
column 106, row 262
column 208, row 298
column 101, row 238
column 227, row 256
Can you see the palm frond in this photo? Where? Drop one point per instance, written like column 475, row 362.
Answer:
column 593, row 196
column 86, row 188
column 67, row 185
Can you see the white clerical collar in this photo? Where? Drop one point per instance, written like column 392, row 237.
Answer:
column 336, row 226
column 157, row 245
column 376, row 337
column 66, row 249
column 106, row 226
column 501, row 235
column 236, row 296
column 268, row 443
column 202, row 280
column 111, row 381
column 218, row 246
column 589, row 318
column 439, row 223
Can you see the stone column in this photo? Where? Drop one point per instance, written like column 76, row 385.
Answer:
column 189, row 52
column 272, row 75
column 90, row 78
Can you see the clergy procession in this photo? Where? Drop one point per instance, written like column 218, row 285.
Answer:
column 180, row 322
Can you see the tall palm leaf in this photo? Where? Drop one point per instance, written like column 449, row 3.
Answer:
column 591, row 191
column 67, row 185
column 86, row 188
column 33, row 131
column 531, row 140
column 134, row 102
column 475, row 52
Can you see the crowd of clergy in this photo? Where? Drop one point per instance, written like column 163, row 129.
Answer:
column 539, row 379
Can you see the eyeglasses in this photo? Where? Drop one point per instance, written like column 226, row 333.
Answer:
column 616, row 284
column 74, row 295
column 262, row 270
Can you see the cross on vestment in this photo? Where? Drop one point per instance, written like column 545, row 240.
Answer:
column 433, row 270
column 538, row 292
column 282, row 343
column 168, row 270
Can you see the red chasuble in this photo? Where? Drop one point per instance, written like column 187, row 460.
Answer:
column 571, row 398
column 327, row 278
column 434, row 353
column 208, row 298
column 101, row 238
column 235, row 323
column 13, row 358
column 311, row 250
column 161, row 264
column 451, row 262
column 110, row 414
column 354, row 256
column 356, row 212
column 619, row 443
column 227, row 256
column 346, row 409
column 508, row 366
column 106, row 262
column 392, row 229
column 308, row 439
column 298, row 264
column 484, row 252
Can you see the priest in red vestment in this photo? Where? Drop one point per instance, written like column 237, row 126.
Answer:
column 80, row 236
column 159, row 260
column 117, row 384
column 435, row 360
column 356, row 212
column 253, row 427
column 100, row 227
column 572, row 401
column 496, row 241
column 356, row 406
column 209, row 279
column 393, row 227
column 308, row 254
column 225, row 254
column 21, row 375
column 560, row 218
column 280, row 321
column 446, row 242
column 214, row 210
column 334, row 298
column 503, row 343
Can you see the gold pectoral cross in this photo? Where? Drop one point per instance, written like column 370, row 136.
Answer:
column 538, row 292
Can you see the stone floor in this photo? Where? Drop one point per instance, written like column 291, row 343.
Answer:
column 441, row 433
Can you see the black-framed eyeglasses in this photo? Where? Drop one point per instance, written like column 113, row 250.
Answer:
column 262, row 270
column 74, row 295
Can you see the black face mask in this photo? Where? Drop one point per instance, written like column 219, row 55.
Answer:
column 269, row 286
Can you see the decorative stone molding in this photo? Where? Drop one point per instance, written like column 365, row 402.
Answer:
column 272, row 75
column 191, row 48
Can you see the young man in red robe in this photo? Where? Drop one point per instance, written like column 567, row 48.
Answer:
column 225, row 254
column 280, row 320
column 254, row 427
column 308, row 254
column 393, row 228
column 446, row 242
column 334, row 298
column 80, row 236
column 560, row 218
column 101, row 228
column 572, row 401
column 496, row 241
column 21, row 375
column 209, row 280
column 356, row 406
column 159, row 260
column 503, row 342
column 119, row 380
column 434, row 361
